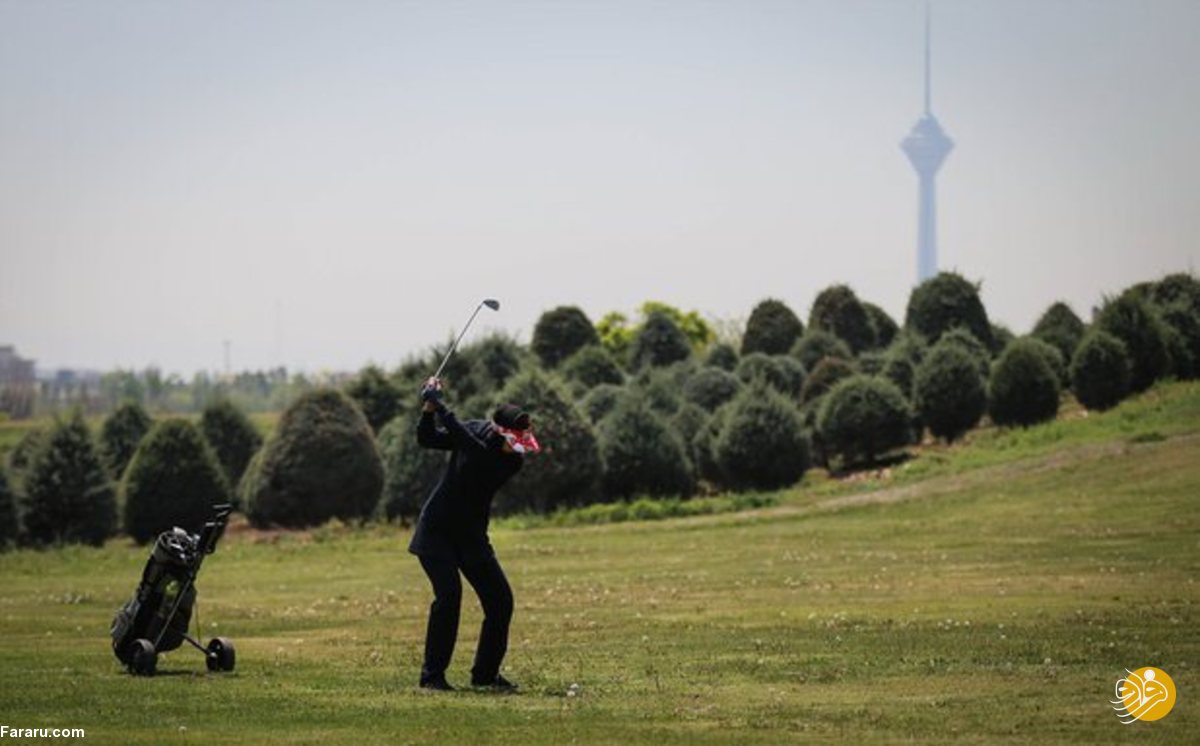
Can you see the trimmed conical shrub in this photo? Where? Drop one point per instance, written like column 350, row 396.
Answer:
column 68, row 496
column 173, row 480
column 687, row 423
column 711, row 387
column 910, row 346
column 703, row 447
column 660, row 389
column 1001, row 337
column 949, row 391
column 722, row 355
column 1178, row 288
column 1183, row 327
column 494, row 359
column 943, row 302
column 901, row 372
column 762, row 443
column 966, row 341
column 1100, row 371
column 1060, row 327
column 560, row 332
column 23, row 454
column 838, row 311
column 862, row 418
column 816, row 345
column 10, row 526
column 642, row 454
column 590, row 367
column 567, row 471
column 601, row 400
column 827, row 373
column 884, row 326
column 783, row 373
column 232, row 437
column 410, row 471
column 1023, row 389
column 120, row 434
column 1054, row 359
column 378, row 396
column 772, row 329
column 321, row 463
column 1132, row 320
column 659, row 342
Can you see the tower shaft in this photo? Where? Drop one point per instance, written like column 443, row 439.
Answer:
column 927, row 260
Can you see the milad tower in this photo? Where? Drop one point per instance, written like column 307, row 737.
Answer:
column 927, row 147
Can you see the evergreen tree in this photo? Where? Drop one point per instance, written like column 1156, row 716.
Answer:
column 772, row 329
column 561, row 332
column 120, row 434
column 590, row 367
column 659, row 343
column 569, row 468
column 1132, row 320
column 863, row 417
column 173, row 480
column 321, row 463
column 838, row 311
column 950, row 394
column 1059, row 326
column 1023, row 389
column 944, row 302
column 68, row 496
column 816, row 345
column 410, row 471
column 642, row 455
column 379, row 398
column 10, row 526
column 233, row 439
column 884, row 326
column 1100, row 371
column 762, row 444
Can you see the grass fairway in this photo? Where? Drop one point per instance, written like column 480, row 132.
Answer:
column 988, row 592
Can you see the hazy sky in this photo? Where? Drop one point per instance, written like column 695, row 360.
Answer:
column 330, row 183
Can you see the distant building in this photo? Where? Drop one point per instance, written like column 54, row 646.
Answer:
column 18, row 384
column 927, row 147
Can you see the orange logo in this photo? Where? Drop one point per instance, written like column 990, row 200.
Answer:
column 1145, row 694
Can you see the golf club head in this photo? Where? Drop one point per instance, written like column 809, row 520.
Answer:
column 492, row 303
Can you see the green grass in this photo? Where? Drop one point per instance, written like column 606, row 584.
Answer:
column 992, row 591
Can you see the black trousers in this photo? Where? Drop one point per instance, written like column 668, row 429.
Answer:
column 487, row 578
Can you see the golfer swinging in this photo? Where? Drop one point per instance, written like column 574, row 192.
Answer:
column 451, row 533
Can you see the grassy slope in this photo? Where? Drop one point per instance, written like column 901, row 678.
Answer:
column 986, row 592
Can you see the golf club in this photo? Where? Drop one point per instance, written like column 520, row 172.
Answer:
column 491, row 303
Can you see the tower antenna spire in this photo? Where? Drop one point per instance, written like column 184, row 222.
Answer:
column 928, row 84
column 927, row 147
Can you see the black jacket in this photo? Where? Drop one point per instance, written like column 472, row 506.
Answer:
column 454, row 520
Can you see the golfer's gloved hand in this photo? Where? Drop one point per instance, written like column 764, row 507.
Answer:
column 431, row 393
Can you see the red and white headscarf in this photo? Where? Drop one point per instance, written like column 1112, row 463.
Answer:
column 516, row 427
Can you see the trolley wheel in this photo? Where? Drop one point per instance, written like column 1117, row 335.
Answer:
column 144, row 659
column 220, row 654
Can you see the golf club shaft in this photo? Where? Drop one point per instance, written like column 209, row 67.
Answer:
column 454, row 346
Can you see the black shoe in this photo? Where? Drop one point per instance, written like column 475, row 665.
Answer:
column 499, row 684
column 437, row 683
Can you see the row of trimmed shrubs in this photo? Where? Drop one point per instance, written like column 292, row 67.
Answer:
column 67, row 486
column 667, row 414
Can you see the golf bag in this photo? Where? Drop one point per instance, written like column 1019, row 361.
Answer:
column 156, row 619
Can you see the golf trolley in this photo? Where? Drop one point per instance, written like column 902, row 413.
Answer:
column 156, row 619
